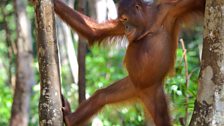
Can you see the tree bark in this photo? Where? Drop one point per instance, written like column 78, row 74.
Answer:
column 209, row 106
column 50, row 105
column 24, row 71
column 82, row 46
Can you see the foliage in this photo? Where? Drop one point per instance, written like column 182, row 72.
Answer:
column 5, row 101
column 5, row 68
column 107, row 67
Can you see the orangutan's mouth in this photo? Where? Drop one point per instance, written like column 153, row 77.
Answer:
column 130, row 32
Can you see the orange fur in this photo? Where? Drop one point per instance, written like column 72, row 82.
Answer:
column 152, row 31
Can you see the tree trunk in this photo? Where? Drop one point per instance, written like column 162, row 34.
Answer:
column 72, row 58
column 65, row 36
column 24, row 71
column 209, row 106
column 82, row 46
column 50, row 105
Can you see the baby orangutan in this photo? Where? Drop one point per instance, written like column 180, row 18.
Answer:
column 152, row 30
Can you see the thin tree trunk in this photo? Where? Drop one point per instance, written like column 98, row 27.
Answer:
column 67, row 50
column 66, row 37
column 209, row 106
column 82, row 46
column 73, row 63
column 24, row 71
column 50, row 105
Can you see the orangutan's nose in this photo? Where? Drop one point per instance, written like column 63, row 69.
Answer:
column 123, row 18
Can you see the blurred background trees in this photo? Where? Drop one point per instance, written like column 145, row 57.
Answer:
column 103, row 66
column 24, row 70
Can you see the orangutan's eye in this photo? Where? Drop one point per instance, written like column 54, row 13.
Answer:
column 137, row 7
